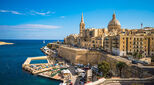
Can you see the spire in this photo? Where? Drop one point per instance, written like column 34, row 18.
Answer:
column 141, row 25
column 82, row 18
column 114, row 16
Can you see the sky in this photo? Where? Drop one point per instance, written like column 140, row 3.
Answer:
column 56, row 19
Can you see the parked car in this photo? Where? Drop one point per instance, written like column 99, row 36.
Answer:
column 134, row 62
column 142, row 62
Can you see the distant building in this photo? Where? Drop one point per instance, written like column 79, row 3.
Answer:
column 114, row 39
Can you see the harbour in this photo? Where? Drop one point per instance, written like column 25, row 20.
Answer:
column 76, row 42
column 11, row 63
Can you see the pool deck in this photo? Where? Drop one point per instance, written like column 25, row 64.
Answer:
column 34, row 58
column 27, row 64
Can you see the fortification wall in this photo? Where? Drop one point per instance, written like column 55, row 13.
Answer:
column 83, row 56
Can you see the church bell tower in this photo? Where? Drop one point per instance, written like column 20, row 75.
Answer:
column 82, row 27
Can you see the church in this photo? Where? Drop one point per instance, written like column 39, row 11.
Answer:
column 114, row 39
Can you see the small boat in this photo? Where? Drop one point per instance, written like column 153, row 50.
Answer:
column 43, row 41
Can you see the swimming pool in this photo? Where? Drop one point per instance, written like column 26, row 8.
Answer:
column 38, row 61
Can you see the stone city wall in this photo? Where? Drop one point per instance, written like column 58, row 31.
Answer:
column 76, row 55
column 83, row 56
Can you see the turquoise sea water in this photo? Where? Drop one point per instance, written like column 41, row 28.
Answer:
column 13, row 56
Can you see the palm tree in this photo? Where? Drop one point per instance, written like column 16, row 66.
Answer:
column 120, row 66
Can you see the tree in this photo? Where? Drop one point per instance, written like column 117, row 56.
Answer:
column 104, row 67
column 139, row 56
column 120, row 66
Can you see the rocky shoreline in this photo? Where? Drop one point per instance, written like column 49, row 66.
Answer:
column 5, row 43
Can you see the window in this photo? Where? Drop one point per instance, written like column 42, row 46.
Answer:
column 141, row 39
column 141, row 43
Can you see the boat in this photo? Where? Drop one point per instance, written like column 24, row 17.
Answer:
column 43, row 41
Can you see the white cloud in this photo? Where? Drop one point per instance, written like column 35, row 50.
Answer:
column 9, row 11
column 62, row 16
column 32, row 12
column 30, row 26
column 42, row 13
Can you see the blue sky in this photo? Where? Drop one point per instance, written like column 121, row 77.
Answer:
column 55, row 19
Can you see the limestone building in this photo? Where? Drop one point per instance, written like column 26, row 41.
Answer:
column 114, row 39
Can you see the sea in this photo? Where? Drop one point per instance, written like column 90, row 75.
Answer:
column 13, row 56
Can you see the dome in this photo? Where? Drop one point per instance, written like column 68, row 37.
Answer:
column 114, row 22
column 114, row 25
